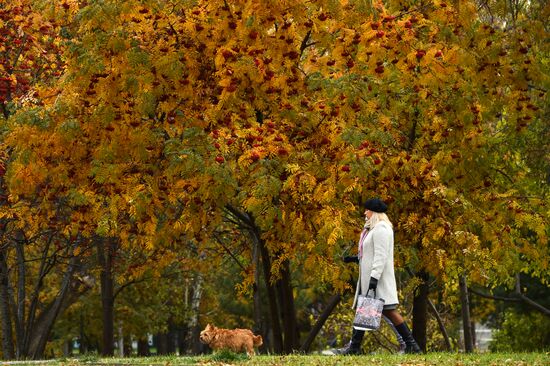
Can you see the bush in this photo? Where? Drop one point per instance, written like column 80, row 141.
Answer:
column 523, row 332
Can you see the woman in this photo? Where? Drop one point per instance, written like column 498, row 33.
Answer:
column 376, row 273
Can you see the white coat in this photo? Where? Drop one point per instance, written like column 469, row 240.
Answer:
column 377, row 261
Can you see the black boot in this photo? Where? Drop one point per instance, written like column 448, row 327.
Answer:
column 412, row 346
column 353, row 347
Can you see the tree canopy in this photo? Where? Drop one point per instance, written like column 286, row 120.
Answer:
column 168, row 119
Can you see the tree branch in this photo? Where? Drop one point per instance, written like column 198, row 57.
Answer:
column 304, row 44
column 333, row 301
column 219, row 240
column 527, row 300
column 492, row 297
column 240, row 215
column 517, row 296
column 504, row 174
column 377, row 339
column 441, row 325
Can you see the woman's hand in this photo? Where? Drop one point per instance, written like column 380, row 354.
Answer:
column 351, row 259
column 373, row 283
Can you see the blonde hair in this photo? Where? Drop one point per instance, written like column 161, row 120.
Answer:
column 376, row 218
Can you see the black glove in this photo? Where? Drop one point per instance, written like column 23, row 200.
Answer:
column 351, row 259
column 373, row 283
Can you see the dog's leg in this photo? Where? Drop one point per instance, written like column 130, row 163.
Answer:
column 250, row 347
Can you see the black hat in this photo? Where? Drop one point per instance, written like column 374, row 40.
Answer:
column 375, row 205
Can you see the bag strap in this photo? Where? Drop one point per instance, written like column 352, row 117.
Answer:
column 367, row 294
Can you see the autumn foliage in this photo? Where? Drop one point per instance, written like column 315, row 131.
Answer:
column 169, row 120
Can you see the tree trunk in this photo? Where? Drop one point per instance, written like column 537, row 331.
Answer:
column 32, row 319
column 182, row 341
column 44, row 324
column 120, row 341
column 161, row 342
column 420, row 310
column 172, row 339
column 258, row 326
column 83, row 340
column 332, row 303
column 22, row 346
column 473, row 333
column 47, row 263
column 194, row 326
column 143, row 348
column 104, row 252
column 67, row 348
column 466, row 321
column 255, row 233
column 166, row 342
column 128, row 351
column 272, row 298
column 288, row 310
column 8, row 351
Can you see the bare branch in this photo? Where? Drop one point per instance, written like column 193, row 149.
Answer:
column 304, row 44
column 441, row 325
column 492, row 297
column 219, row 240
column 527, row 300
column 517, row 296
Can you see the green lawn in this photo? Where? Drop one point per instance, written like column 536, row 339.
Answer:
column 496, row 359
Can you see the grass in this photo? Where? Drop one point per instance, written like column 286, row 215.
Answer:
column 229, row 358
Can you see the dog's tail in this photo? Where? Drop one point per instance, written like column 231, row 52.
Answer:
column 258, row 340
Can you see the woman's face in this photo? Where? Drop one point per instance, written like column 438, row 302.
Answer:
column 368, row 214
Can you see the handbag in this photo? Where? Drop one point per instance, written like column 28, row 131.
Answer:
column 368, row 313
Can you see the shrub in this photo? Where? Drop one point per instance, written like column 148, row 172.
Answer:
column 523, row 332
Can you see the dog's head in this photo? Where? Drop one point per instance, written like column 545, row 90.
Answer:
column 207, row 334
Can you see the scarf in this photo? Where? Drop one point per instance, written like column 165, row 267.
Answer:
column 364, row 233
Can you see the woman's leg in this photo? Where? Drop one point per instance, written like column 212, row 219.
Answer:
column 403, row 329
column 394, row 316
column 402, row 344
column 352, row 348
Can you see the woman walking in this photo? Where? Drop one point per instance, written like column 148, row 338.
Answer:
column 376, row 272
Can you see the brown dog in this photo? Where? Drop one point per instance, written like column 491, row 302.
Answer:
column 236, row 340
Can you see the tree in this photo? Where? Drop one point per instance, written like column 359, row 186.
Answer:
column 172, row 117
column 29, row 57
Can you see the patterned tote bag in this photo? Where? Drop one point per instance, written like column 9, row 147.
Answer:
column 368, row 313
